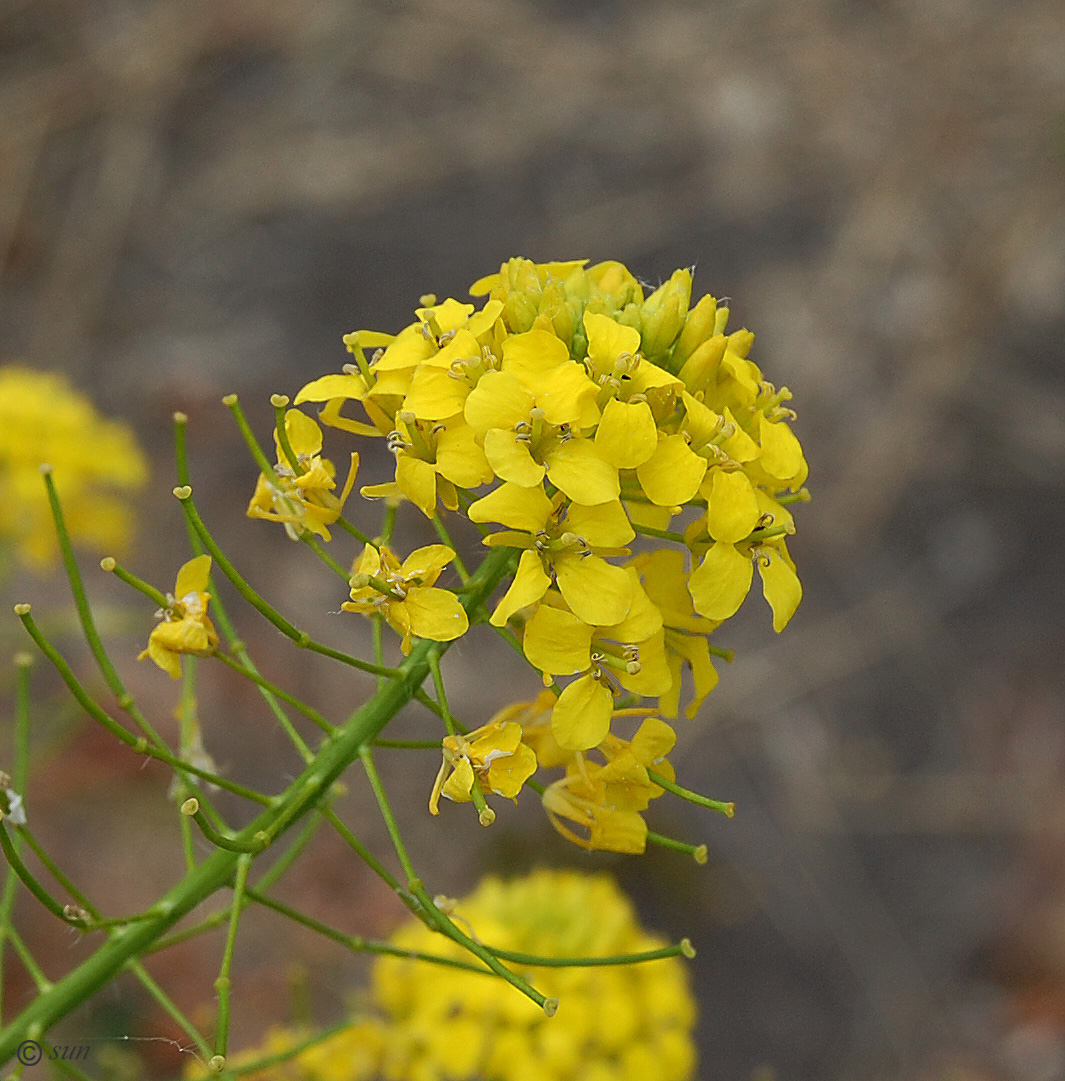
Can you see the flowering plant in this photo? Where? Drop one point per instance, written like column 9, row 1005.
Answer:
column 628, row 468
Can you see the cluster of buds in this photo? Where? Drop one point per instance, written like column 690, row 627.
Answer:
column 568, row 417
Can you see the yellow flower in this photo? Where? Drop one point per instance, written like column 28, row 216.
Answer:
column 629, row 651
column 611, row 1021
column 186, row 627
column 43, row 420
column 494, row 754
column 432, row 460
column 605, row 801
column 563, row 543
column 303, row 498
column 405, row 595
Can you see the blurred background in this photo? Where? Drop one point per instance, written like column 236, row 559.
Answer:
column 202, row 196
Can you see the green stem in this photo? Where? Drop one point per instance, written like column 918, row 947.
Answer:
column 682, row 949
column 727, row 809
column 112, row 566
column 356, row 943
column 22, row 764
column 40, row 980
column 386, row 812
column 64, row 912
column 445, row 537
column 88, row 624
column 280, row 402
column 232, row 842
column 661, row 534
column 697, row 852
column 223, row 984
column 217, row 869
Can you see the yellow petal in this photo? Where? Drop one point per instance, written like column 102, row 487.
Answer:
column 304, row 436
column 720, row 583
column 459, row 458
column 781, row 455
column 193, row 576
column 423, row 566
column 498, row 401
column 510, row 458
column 596, row 591
column 618, row 831
column 732, row 509
column 457, row 787
column 167, row 660
column 507, row 775
column 417, row 481
column 672, row 475
column 605, row 525
column 642, row 619
column 607, row 340
column 739, row 446
column 514, row 506
column 529, row 585
column 530, row 356
column 332, row 386
column 434, row 395
column 626, row 436
column 581, row 717
column 557, row 642
column 576, row 468
column 654, row 739
column 435, row 614
column 567, row 396
column 780, row 585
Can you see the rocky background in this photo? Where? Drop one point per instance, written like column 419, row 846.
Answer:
column 202, row 196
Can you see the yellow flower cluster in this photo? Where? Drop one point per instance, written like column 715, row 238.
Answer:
column 43, row 420
column 596, row 413
column 614, row 1022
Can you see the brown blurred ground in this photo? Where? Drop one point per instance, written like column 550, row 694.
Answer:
column 200, row 196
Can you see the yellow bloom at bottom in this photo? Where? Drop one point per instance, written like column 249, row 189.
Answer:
column 435, row 1023
column 623, row 1023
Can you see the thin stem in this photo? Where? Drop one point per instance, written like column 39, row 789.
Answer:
column 442, row 533
column 279, row 402
column 661, row 534
column 223, row 984
column 85, row 618
column 681, row 949
column 361, row 850
column 697, row 852
column 280, row 1057
column 169, row 1006
column 259, row 841
column 727, row 809
column 356, row 533
column 22, row 764
column 312, row 542
column 442, row 923
column 112, row 566
column 232, row 403
column 64, row 912
column 441, row 694
column 40, row 980
column 356, row 943
column 801, row 496
column 386, row 813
